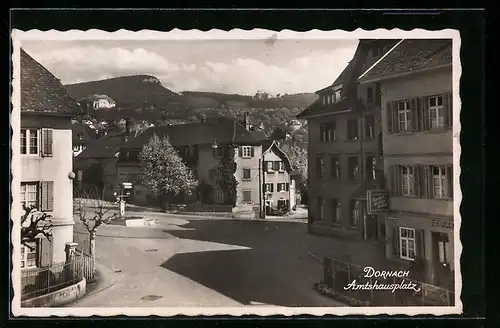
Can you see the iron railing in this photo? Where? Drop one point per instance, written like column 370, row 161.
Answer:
column 85, row 264
column 338, row 275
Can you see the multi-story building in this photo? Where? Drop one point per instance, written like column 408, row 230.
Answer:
column 202, row 146
column 344, row 150
column 415, row 80
column 46, row 158
column 279, row 183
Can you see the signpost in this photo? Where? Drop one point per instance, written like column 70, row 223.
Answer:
column 377, row 201
column 122, row 195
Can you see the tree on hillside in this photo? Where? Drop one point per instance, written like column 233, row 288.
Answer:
column 298, row 159
column 91, row 209
column 164, row 172
column 278, row 133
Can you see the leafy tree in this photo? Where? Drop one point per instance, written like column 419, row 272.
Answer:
column 298, row 159
column 164, row 172
column 228, row 182
column 33, row 224
column 90, row 207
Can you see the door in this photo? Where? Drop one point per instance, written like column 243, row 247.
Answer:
column 442, row 272
column 371, row 227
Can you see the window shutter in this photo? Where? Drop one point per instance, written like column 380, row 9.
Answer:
column 414, row 115
column 272, row 187
column 423, row 181
column 47, row 142
column 390, row 115
column 420, row 245
column 252, row 153
column 419, row 120
column 276, row 165
column 448, row 107
column 44, row 252
column 428, row 181
column 425, row 111
column 449, row 177
column 240, row 151
column 264, row 163
column 394, row 186
column 418, row 180
column 395, row 117
column 287, row 186
column 47, row 196
column 395, row 241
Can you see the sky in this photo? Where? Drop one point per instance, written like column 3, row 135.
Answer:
column 226, row 66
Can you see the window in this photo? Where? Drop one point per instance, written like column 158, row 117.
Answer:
column 355, row 213
column 407, row 181
column 436, row 112
column 80, row 136
column 352, row 129
column 283, row 186
column 246, row 151
column 268, row 187
column 219, row 196
column 369, row 127
column 328, row 132
column 335, row 167
column 217, row 152
column 281, row 167
column 335, row 210
column 29, row 194
column 320, row 167
column 325, row 100
column 407, row 243
column 371, row 168
column 29, row 255
column 369, row 95
column 320, row 209
column 440, row 183
column 353, row 167
column 29, row 142
column 247, row 174
column 247, row 196
column 404, row 115
column 214, row 174
column 337, row 95
column 270, row 167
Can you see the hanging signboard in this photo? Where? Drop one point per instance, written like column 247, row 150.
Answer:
column 378, row 201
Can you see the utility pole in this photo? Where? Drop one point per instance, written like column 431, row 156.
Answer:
column 263, row 187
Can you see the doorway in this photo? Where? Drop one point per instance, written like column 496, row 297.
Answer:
column 441, row 259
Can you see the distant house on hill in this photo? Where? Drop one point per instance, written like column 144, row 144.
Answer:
column 83, row 134
column 95, row 102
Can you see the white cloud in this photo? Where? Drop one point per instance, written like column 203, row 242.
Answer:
column 242, row 74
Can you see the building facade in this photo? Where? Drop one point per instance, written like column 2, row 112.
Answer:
column 417, row 122
column 344, row 150
column 46, row 159
column 202, row 146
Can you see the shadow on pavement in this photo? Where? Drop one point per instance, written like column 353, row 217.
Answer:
column 274, row 271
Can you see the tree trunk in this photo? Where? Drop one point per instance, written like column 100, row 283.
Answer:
column 92, row 236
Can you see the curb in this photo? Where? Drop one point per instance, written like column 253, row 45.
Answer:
column 128, row 237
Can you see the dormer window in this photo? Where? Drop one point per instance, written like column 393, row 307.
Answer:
column 80, row 136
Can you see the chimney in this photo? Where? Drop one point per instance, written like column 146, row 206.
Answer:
column 246, row 121
column 203, row 118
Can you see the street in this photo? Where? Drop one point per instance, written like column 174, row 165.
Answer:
column 205, row 262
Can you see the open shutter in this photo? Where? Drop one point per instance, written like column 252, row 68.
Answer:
column 252, row 152
column 264, row 163
column 287, row 186
column 44, row 252
column 419, row 243
column 419, row 114
column 47, row 142
column 448, row 107
column 428, row 181
column 47, row 195
column 425, row 112
column 449, row 178
column 395, row 241
column 240, row 151
column 414, row 115
column 393, row 173
column 418, row 180
column 272, row 187
column 390, row 115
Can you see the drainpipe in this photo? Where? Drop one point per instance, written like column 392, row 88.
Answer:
column 362, row 175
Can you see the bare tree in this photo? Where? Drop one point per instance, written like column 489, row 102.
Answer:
column 92, row 211
column 33, row 224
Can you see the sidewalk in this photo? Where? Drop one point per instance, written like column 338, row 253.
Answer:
column 358, row 252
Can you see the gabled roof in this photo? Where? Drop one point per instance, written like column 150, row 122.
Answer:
column 105, row 147
column 411, row 55
column 224, row 131
column 272, row 145
column 41, row 91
